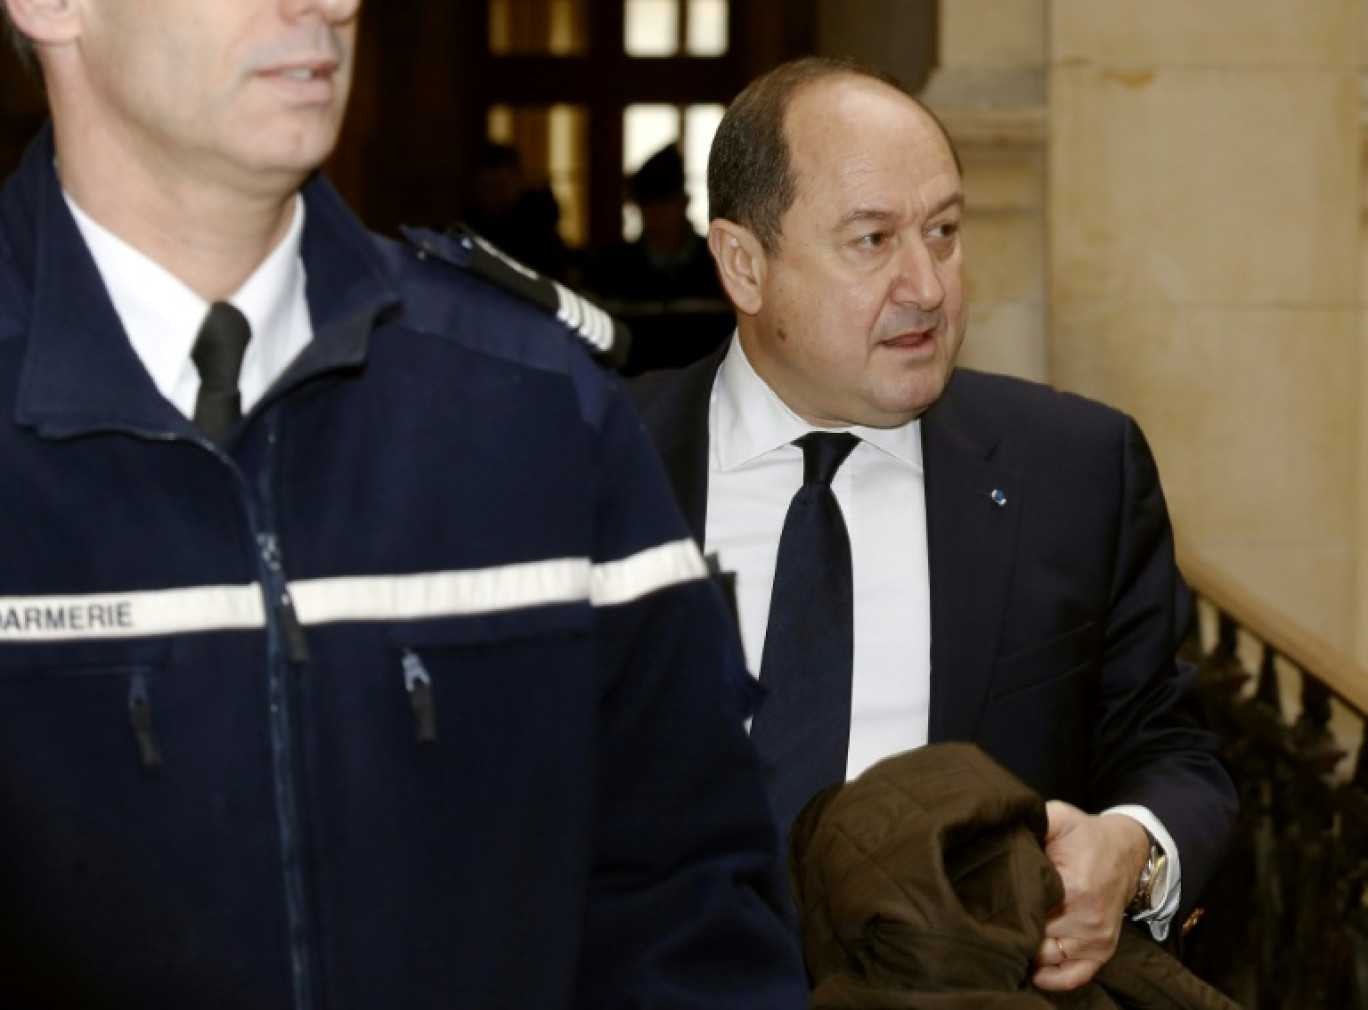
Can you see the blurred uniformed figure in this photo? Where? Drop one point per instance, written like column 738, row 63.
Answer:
column 351, row 651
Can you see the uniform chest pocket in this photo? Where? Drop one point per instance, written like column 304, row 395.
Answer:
column 93, row 700
column 475, row 679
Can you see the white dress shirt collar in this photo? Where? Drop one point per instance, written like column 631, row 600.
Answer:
column 162, row 316
column 752, row 420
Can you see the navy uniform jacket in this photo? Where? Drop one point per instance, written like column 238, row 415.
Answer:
column 410, row 697
column 1055, row 615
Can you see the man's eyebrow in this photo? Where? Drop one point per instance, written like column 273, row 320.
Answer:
column 880, row 215
column 864, row 215
column 955, row 201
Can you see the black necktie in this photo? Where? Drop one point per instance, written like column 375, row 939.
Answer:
column 218, row 354
column 802, row 729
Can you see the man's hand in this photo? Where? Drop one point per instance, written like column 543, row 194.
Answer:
column 1099, row 859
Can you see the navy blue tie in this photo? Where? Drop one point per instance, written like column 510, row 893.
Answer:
column 217, row 354
column 802, row 729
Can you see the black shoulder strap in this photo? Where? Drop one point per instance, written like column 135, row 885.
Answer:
column 609, row 339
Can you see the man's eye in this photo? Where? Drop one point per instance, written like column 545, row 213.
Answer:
column 876, row 240
column 948, row 230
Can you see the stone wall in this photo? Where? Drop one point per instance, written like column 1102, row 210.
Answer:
column 1206, row 274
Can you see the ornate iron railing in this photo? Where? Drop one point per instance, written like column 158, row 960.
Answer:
column 1286, row 922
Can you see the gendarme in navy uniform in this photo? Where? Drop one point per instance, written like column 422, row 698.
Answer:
column 411, row 692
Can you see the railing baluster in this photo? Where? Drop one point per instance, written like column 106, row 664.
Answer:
column 1360, row 779
column 1221, row 669
column 1268, row 693
column 1311, row 736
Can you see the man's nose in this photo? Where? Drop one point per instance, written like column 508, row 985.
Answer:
column 917, row 281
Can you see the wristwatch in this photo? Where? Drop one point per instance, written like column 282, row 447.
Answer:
column 1153, row 880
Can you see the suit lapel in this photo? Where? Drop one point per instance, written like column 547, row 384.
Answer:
column 675, row 411
column 973, row 505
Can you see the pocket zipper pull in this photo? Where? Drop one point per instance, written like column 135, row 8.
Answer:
column 140, row 721
column 419, row 685
column 296, row 644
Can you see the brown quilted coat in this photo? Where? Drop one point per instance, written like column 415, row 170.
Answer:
column 923, row 884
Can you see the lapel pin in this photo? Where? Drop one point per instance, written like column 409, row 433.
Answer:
column 999, row 499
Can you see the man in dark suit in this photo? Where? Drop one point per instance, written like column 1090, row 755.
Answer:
column 1010, row 550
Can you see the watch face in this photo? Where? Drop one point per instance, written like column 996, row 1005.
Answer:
column 1158, row 887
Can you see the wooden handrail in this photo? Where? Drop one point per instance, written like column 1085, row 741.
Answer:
column 1336, row 670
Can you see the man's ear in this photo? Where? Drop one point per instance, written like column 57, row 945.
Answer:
column 741, row 263
column 45, row 22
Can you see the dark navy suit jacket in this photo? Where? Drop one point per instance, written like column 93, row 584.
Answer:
column 1055, row 615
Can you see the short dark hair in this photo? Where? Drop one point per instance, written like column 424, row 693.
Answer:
column 22, row 46
column 750, row 167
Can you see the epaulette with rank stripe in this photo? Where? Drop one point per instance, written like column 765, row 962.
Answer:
column 609, row 339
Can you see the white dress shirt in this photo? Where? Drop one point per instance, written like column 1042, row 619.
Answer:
column 753, row 472
column 162, row 316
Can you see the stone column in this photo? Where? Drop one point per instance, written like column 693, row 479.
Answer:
column 989, row 89
column 1205, row 273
